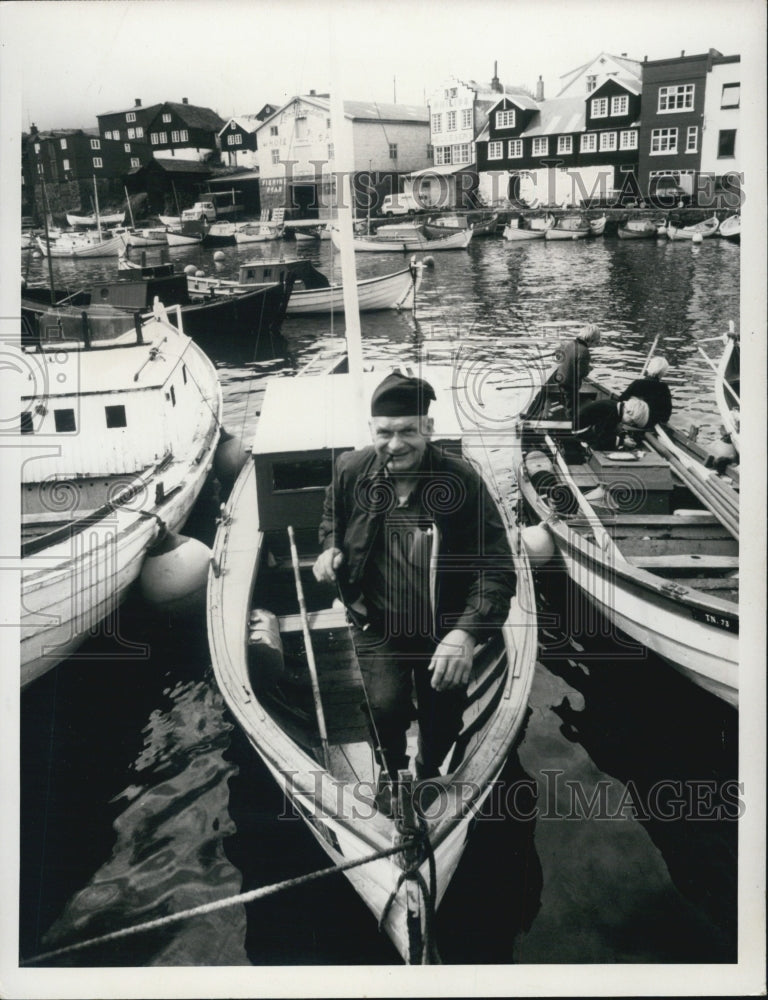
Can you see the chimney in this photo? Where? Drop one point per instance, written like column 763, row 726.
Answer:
column 682, row 53
column 540, row 89
column 495, row 85
column 137, row 102
column 312, row 93
column 623, row 55
column 185, row 100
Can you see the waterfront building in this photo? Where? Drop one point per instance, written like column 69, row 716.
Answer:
column 237, row 139
column 721, row 157
column 184, row 131
column 128, row 124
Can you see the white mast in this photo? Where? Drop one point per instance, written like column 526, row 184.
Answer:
column 96, row 206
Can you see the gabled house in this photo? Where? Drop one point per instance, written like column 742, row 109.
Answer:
column 585, row 79
column 237, row 139
column 184, row 130
column 129, row 124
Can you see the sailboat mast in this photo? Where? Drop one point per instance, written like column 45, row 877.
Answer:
column 48, row 240
column 130, row 209
column 96, row 206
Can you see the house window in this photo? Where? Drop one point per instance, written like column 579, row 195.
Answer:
column 162, row 138
column 515, row 148
column 64, row 420
column 692, row 139
column 678, row 98
column 166, row 117
column 731, row 95
column 726, row 142
column 599, row 107
column 37, row 147
column 115, row 416
column 275, row 155
column 135, row 161
column 393, row 150
column 437, row 123
column 27, row 426
column 236, row 140
column 131, row 116
column 184, row 135
column 139, row 132
column 97, row 161
column 588, row 142
column 461, row 153
column 95, row 144
column 273, row 129
column 330, row 151
column 591, row 83
column 153, row 138
column 430, row 151
column 466, row 118
column 495, row 150
column 65, row 164
column 108, row 135
column 451, row 116
column 565, row 144
column 540, row 147
column 442, row 155
column 620, row 105
column 63, row 143
column 663, row 140
column 628, row 140
column 131, row 133
column 175, row 136
column 233, row 125
column 505, row 119
column 607, row 141
column 126, row 147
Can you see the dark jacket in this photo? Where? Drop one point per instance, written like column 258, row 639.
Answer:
column 599, row 422
column 475, row 576
column 656, row 394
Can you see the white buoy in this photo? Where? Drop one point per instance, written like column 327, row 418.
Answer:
column 219, row 255
column 538, row 543
column 199, row 273
column 697, row 238
column 36, row 254
column 229, row 459
column 429, row 261
column 190, row 269
column 175, row 573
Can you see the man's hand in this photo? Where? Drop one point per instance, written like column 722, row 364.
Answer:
column 326, row 565
column 451, row 663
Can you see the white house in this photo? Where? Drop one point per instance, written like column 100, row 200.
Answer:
column 720, row 136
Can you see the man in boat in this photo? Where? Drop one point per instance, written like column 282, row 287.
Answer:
column 655, row 392
column 561, row 390
column 606, row 423
column 421, row 558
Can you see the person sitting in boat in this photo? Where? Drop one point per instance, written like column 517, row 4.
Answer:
column 655, row 392
column 561, row 390
column 393, row 511
column 607, row 423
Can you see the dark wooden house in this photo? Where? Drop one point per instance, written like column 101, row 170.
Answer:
column 184, row 130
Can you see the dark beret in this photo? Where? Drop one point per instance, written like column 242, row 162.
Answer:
column 401, row 396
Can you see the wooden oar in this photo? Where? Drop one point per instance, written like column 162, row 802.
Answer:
column 650, row 355
column 310, row 651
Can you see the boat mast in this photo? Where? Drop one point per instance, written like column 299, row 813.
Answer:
column 48, row 240
column 96, row 206
column 130, row 209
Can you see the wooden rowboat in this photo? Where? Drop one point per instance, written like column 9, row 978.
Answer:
column 416, row 241
column 568, row 227
column 304, row 422
column 730, row 228
column 117, row 219
column 387, row 291
column 638, row 229
column 728, row 386
column 597, row 226
column 703, row 230
column 519, row 234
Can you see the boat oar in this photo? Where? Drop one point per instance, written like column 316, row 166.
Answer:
column 650, row 354
column 310, row 651
column 715, row 369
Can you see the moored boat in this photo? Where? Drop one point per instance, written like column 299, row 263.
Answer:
column 387, row 291
column 730, row 229
column 597, row 226
column 483, row 223
column 520, row 229
column 86, row 244
column 700, row 230
column 638, row 229
column 413, row 241
column 146, row 237
column 105, row 490
column 568, row 227
column 728, row 386
column 92, row 221
column 258, row 232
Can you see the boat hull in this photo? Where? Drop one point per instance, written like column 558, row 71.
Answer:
column 370, row 244
column 522, row 235
column 391, row 291
column 565, row 234
column 67, row 247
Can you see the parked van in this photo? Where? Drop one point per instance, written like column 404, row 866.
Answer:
column 201, row 211
column 400, row 204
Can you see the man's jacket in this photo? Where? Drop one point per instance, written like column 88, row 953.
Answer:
column 473, row 577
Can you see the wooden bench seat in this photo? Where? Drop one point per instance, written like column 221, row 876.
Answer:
column 684, row 562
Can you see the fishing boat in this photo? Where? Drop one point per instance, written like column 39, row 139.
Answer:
column 414, row 240
column 146, row 238
column 105, row 243
column 187, row 235
column 701, row 230
column 597, row 226
column 638, row 229
column 387, row 291
column 635, row 535
column 568, row 227
column 258, row 232
column 517, row 233
column 483, row 224
column 170, row 221
column 730, row 229
column 92, row 221
column 262, row 598
column 123, row 418
column 728, row 386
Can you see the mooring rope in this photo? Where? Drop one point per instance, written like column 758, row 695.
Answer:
column 221, row 904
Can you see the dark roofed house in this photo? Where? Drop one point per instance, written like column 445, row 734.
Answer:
column 168, row 179
column 185, row 131
column 128, row 124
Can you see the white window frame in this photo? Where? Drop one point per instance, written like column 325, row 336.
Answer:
column 515, row 149
column 540, row 146
column 95, row 144
column 184, row 135
column 730, row 89
column 175, row 135
column 495, row 149
column 460, row 153
column 663, row 141
column 608, row 142
column 153, row 138
column 466, row 118
column 620, row 104
column 692, row 139
column 139, row 132
column 506, row 119
column 588, row 142
column 591, row 83
column 130, row 116
column 162, row 138
column 598, row 107
column 97, row 162
column 628, row 139
column 676, row 98
column 564, row 144
column 135, row 161
column 275, row 156
column 65, row 164
column 131, row 133
column 166, row 116
column 442, row 156
column 126, row 147
column 437, row 122
column 451, row 121
column 63, row 143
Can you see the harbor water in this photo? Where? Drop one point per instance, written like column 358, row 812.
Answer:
column 611, row 836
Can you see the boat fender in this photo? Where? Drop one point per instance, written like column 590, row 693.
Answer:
column 229, row 458
column 428, row 261
column 199, row 273
column 697, row 238
column 190, row 269
column 538, row 543
column 175, row 573
column 219, row 255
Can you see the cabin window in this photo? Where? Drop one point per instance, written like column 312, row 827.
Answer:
column 678, row 98
column 663, row 140
column 607, row 141
column 620, row 105
column 27, row 426
column 172, row 396
column 515, row 148
column 97, row 162
column 726, row 142
column 64, row 420
column 599, row 107
column 589, row 142
column 63, row 143
column 692, row 139
column 628, row 139
column 540, row 147
column 166, row 117
column 731, row 95
column 308, row 475
column 565, row 144
column 393, row 150
column 466, row 118
column 95, row 144
column 115, row 416
column 130, row 116
column 505, row 119
column 267, row 273
column 495, row 150
column 437, row 123
column 451, row 121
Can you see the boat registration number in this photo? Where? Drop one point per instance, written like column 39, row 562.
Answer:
column 726, row 622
